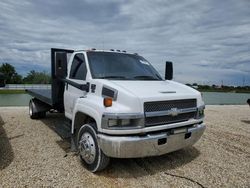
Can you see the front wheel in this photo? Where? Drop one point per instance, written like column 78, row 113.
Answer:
column 91, row 155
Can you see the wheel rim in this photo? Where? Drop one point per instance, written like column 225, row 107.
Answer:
column 30, row 109
column 87, row 148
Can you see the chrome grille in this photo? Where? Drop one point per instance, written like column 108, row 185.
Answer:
column 160, row 120
column 158, row 113
column 167, row 105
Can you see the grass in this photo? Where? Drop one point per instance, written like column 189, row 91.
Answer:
column 12, row 91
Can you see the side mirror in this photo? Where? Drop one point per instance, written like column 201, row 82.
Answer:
column 169, row 70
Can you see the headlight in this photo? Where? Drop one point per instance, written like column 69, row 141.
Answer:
column 118, row 121
column 200, row 112
column 112, row 122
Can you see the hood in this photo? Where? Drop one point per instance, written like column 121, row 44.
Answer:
column 157, row 90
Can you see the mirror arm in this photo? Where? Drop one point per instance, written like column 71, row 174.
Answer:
column 83, row 87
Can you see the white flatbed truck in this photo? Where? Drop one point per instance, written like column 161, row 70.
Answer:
column 119, row 106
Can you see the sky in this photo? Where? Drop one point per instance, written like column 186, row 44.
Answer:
column 207, row 40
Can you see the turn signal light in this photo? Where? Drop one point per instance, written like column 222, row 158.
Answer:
column 107, row 102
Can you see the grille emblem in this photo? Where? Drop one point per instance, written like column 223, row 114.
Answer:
column 174, row 112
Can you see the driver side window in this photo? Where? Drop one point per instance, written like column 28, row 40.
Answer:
column 78, row 68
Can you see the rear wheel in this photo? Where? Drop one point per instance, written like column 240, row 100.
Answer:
column 33, row 114
column 91, row 155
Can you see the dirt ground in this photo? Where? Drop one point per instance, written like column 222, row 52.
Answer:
column 32, row 154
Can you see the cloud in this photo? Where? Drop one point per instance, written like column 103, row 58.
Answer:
column 208, row 41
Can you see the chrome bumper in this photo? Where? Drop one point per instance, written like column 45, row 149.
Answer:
column 149, row 145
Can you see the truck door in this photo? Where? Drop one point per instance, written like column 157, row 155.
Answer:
column 77, row 73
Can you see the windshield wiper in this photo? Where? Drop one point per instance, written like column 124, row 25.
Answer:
column 145, row 77
column 116, row 77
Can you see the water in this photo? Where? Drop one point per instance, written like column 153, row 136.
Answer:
column 211, row 98
column 14, row 99
column 225, row 98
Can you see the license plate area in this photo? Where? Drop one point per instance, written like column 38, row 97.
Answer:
column 179, row 130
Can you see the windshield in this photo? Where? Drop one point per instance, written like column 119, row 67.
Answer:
column 119, row 66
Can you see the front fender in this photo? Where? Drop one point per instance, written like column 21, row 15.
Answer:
column 90, row 108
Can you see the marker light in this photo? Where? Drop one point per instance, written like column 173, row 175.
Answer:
column 107, row 101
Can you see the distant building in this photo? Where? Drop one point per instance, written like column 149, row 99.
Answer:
column 2, row 80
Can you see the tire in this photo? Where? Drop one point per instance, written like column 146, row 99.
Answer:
column 32, row 114
column 90, row 153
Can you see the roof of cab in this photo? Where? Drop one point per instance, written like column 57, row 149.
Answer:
column 111, row 50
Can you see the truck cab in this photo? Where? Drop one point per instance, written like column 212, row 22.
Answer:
column 119, row 106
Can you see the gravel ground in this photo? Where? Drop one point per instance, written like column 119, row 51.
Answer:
column 32, row 154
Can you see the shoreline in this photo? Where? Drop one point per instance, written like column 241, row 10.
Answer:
column 210, row 98
column 207, row 105
column 23, row 91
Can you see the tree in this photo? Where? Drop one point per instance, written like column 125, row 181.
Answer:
column 10, row 74
column 34, row 77
column 17, row 79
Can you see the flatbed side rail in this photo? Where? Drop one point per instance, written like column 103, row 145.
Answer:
column 43, row 95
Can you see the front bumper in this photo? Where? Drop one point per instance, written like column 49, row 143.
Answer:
column 150, row 145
